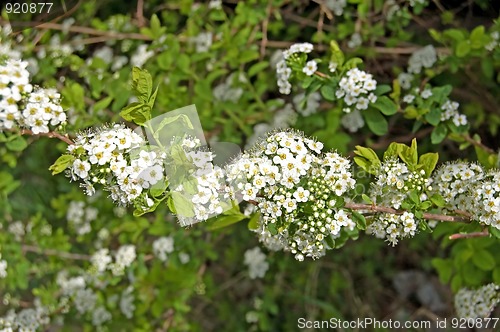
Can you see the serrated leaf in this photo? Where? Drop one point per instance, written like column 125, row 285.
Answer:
column 428, row 162
column 142, row 84
column 61, row 163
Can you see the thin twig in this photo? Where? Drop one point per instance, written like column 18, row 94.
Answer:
column 428, row 216
column 51, row 252
column 469, row 235
column 140, row 13
column 50, row 134
column 476, row 143
column 81, row 29
column 265, row 25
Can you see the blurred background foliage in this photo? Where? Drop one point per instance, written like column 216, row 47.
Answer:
column 219, row 56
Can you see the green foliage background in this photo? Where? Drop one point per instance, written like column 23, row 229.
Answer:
column 213, row 291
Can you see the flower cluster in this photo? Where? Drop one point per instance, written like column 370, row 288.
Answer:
column 307, row 105
column 3, row 268
column 422, row 58
column 162, row 247
column 125, row 255
column 256, row 261
column 84, row 298
column 26, row 320
column 80, row 217
column 356, row 88
column 453, row 181
column 23, row 106
column 283, row 72
column 393, row 227
column 485, row 197
column 393, row 185
column 337, row 6
column 297, row 190
column 113, row 157
column 479, row 303
column 353, row 121
column 203, row 185
column 394, row 181
column 450, row 111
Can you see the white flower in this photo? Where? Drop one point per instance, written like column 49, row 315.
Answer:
column 162, row 247
column 101, row 259
column 256, row 261
column 81, row 168
column 3, row 268
column 310, row 68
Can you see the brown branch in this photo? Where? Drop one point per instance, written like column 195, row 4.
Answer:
column 50, row 134
column 140, row 13
column 51, row 252
column 429, row 216
column 469, row 235
column 478, row 144
column 81, row 29
column 265, row 25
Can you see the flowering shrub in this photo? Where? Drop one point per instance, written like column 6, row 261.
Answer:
column 326, row 100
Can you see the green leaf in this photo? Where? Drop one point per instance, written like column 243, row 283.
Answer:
column 337, row 54
column 353, row 63
column 428, row 162
column 484, row 260
column 224, row 221
column 142, row 84
column 463, row 48
column 182, row 205
column 438, row 200
column 61, row 163
column 330, row 241
column 368, row 159
column 385, row 105
column 494, row 232
column 366, row 199
column 477, row 37
column 253, row 223
column 359, row 219
column 137, row 112
column 439, row 133
column 272, row 229
column 376, row 121
column 392, row 151
column 17, row 144
column 444, row 268
column 257, row 68
column 103, row 103
column 434, row 116
column 382, row 89
column 328, row 92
